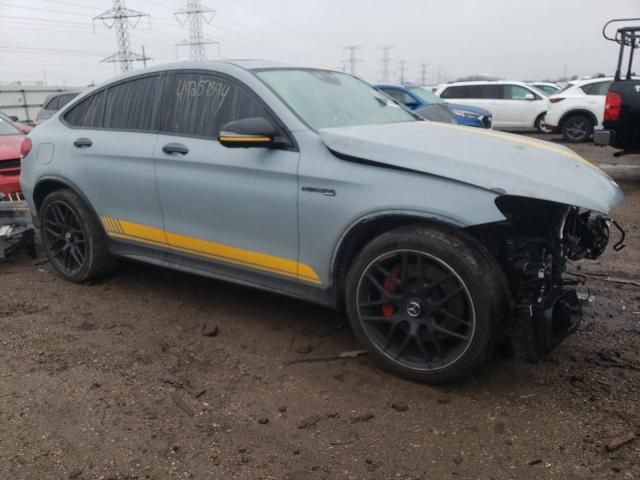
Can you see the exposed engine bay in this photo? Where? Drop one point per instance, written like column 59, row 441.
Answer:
column 533, row 247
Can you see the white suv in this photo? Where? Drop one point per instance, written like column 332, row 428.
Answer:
column 578, row 108
column 515, row 105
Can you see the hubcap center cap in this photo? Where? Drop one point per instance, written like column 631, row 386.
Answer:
column 414, row 309
column 68, row 236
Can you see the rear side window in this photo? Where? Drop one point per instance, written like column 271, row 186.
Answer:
column 202, row 103
column 64, row 99
column 600, row 88
column 130, row 105
column 89, row 113
column 51, row 102
column 456, row 92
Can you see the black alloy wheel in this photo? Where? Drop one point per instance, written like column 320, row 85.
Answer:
column 64, row 237
column 416, row 309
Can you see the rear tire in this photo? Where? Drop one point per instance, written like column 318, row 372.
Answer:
column 577, row 128
column 426, row 303
column 73, row 238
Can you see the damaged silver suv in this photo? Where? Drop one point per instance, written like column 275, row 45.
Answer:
column 438, row 241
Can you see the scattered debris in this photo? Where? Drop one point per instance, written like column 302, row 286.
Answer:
column 400, row 406
column 328, row 358
column 363, row 418
column 309, row 421
column 195, row 392
column 263, row 420
column 603, row 360
column 347, row 441
column 282, row 409
column 443, row 400
column 182, row 406
column 210, row 330
column 537, row 461
column 75, row 474
column 617, row 442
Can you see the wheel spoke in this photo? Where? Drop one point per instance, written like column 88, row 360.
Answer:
column 56, row 234
column 77, row 256
column 446, row 299
column 405, row 343
column 387, row 274
column 374, row 303
column 390, row 335
column 432, row 285
column 404, row 269
column 378, row 319
column 451, row 333
column 421, row 347
column 381, row 288
column 454, row 317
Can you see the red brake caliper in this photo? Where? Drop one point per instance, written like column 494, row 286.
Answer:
column 390, row 287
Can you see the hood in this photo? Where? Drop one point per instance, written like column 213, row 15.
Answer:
column 477, row 110
column 500, row 162
column 10, row 146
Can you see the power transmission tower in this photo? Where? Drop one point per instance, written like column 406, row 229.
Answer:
column 352, row 59
column 196, row 15
column 403, row 70
column 121, row 18
column 386, row 59
column 422, row 81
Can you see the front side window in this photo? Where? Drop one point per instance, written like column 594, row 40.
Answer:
column 203, row 103
column 516, row 92
column 129, row 105
column 325, row 99
column 398, row 95
column 426, row 96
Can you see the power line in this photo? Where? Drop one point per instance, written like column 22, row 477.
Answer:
column 121, row 19
column 386, row 59
column 196, row 15
column 352, row 58
column 422, row 80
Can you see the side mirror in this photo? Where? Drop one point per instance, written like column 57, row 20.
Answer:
column 248, row 133
column 412, row 105
column 13, row 118
column 529, row 96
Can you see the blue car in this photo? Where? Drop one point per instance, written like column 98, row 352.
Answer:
column 432, row 107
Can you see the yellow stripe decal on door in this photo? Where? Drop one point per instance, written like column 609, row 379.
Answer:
column 224, row 253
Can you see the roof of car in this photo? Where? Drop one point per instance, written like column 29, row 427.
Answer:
column 483, row 82
column 587, row 81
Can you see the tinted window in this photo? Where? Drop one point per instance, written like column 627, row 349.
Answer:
column 516, row 92
column 88, row 113
column 129, row 105
column 398, row 95
column 51, row 103
column 203, row 103
column 474, row 91
column 600, row 88
column 64, row 99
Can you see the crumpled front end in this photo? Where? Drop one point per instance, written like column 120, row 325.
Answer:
column 533, row 247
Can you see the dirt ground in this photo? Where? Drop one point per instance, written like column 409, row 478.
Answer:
column 105, row 381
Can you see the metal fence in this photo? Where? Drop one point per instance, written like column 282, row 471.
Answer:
column 24, row 101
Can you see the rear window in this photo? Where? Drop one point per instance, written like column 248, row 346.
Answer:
column 599, row 88
column 58, row 101
column 129, row 105
column 89, row 113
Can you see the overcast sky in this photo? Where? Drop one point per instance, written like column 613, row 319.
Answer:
column 506, row 38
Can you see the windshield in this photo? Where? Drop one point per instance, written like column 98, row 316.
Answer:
column 7, row 128
column 326, row 99
column 426, row 95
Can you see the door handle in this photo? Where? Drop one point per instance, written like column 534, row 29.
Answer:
column 173, row 148
column 83, row 143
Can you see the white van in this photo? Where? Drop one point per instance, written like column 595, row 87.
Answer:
column 515, row 105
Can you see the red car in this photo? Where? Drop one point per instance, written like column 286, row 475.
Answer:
column 11, row 138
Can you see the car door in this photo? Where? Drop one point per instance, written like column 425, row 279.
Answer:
column 476, row 95
column 518, row 108
column 109, row 155
column 228, row 211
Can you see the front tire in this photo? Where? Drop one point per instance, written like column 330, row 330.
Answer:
column 541, row 125
column 425, row 303
column 73, row 238
column 577, row 128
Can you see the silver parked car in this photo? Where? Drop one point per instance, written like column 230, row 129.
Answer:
column 438, row 241
column 53, row 103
